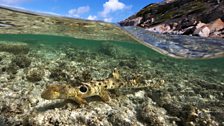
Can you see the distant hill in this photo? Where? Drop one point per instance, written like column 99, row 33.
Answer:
column 190, row 17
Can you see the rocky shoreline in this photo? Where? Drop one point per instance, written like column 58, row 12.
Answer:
column 184, row 17
column 178, row 46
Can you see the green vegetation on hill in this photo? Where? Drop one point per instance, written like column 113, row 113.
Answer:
column 202, row 10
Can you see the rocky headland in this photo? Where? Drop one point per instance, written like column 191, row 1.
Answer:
column 203, row 18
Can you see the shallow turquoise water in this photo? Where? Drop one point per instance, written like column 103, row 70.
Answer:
column 212, row 69
column 66, row 60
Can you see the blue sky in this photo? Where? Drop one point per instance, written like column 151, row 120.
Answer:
column 105, row 10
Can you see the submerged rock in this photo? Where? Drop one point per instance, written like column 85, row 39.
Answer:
column 59, row 74
column 15, row 47
column 154, row 116
column 194, row 116
column 21, row 61
column 34, row 74
column 113, row 50
column 11, row 69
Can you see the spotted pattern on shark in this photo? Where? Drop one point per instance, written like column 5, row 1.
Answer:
column 93, row 88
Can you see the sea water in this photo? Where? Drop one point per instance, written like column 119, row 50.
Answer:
column 205, row 68
column 67, row 60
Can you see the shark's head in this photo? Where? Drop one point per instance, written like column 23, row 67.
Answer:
column 52, row 92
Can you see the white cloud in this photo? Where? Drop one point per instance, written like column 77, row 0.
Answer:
column 90, row 17
column 12, row 2
column 108, row 19
column 76, row 12
column 113, row 9
column 112, row 6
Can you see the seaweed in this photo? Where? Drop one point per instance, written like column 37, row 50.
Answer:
column 21, row 61
column 34, row 74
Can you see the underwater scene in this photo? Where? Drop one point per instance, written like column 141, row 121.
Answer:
column 60, row 80
column 163, row 66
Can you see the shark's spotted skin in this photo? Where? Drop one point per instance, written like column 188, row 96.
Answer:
column 93, row 88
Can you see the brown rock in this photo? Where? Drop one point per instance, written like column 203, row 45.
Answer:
column 202, row 30
column 205, row 31
column 210, row 30
column 216, row 25
column 131, row 22
column 200, row 24
column 162, row 28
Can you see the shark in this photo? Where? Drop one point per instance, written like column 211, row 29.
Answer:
column 93, row 88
